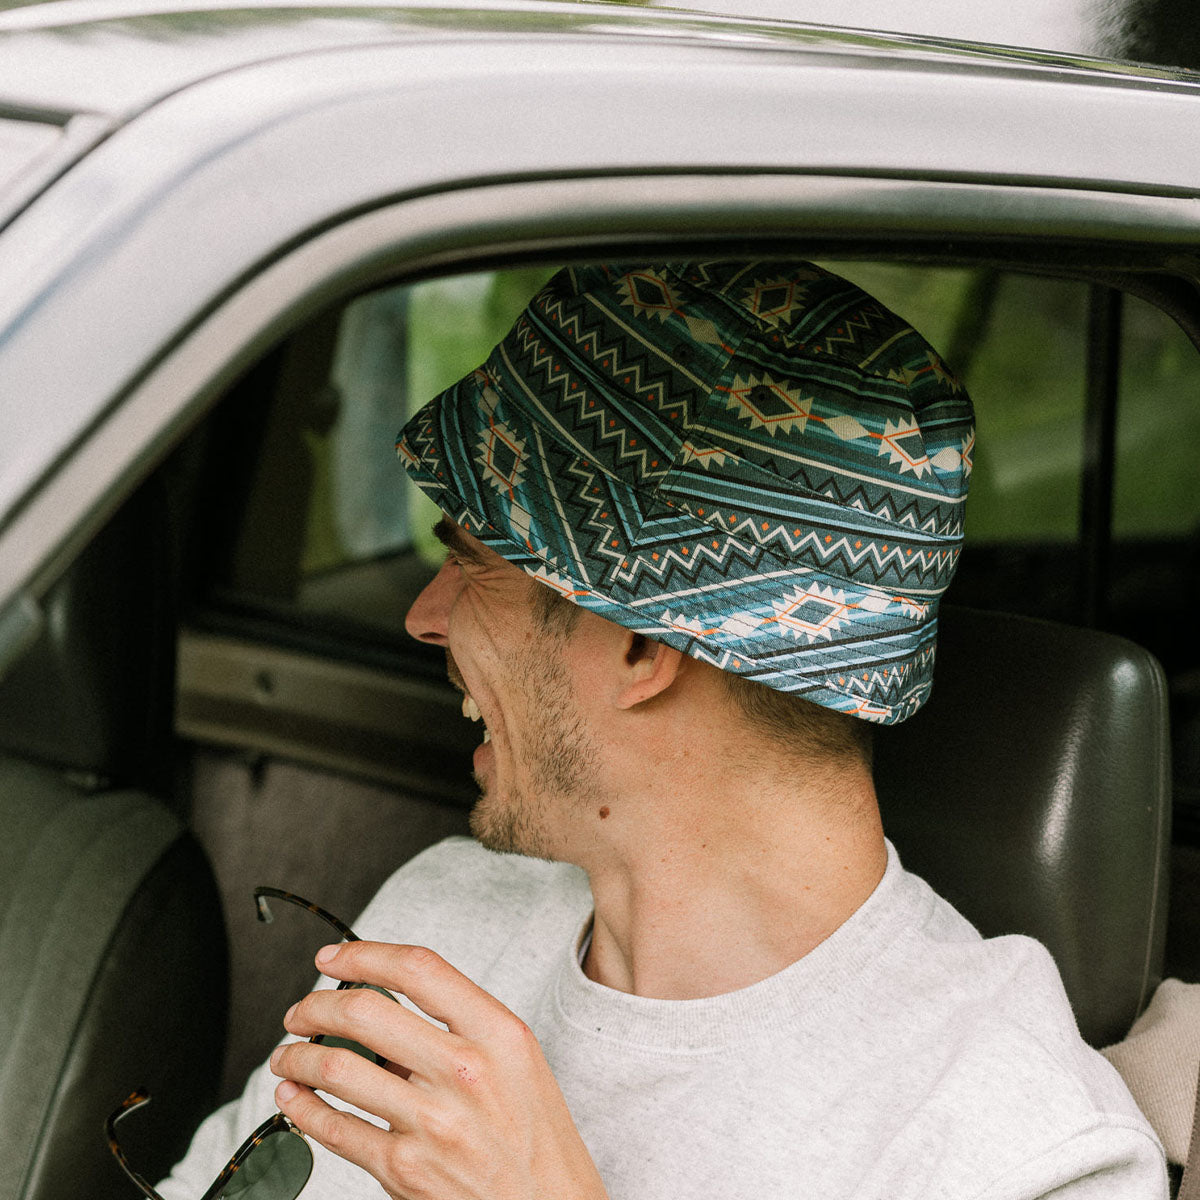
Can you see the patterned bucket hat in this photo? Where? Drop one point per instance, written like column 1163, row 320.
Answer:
column 755, row 463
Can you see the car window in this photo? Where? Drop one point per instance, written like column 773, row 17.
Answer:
column 330, row 412
column 1155, row 493
column 1019, row 341
column 396, row 350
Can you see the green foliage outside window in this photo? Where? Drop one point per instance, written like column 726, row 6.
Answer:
column 1019, row 343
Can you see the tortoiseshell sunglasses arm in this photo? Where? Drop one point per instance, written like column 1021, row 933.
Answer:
column 138, row 1098
column 264, row 910
column 134, row 1100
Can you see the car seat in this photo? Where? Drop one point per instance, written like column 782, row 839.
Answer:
column 1033, row 792
column 111, row 931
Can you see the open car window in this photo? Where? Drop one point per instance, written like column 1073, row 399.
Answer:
column 363, row 546
column 341, row 390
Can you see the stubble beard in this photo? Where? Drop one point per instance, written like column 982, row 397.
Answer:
column 559, row 756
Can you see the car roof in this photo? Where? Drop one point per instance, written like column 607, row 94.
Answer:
column 115, row 57
column 169, row 160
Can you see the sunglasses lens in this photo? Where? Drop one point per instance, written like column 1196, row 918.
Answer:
column 276, row 1169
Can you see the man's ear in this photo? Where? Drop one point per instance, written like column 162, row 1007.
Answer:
column 650, row 668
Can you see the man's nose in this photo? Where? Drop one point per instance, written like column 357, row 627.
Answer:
column 427, row 618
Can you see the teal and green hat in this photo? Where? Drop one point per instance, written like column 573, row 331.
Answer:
column 755, row 463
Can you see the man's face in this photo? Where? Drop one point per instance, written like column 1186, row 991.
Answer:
column 537, row 761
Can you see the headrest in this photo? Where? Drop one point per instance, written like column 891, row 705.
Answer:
column 1033, row 792
column 93, row 695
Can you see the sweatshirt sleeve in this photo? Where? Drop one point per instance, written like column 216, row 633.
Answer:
column 1113, row 1160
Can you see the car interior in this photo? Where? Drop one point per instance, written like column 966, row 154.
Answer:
column 224, row 695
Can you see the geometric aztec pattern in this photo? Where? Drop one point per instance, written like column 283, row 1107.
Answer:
column 756, row 463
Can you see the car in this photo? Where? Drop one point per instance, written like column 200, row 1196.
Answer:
column 240, row 243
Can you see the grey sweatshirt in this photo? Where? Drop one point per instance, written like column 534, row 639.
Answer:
column 904, row 1058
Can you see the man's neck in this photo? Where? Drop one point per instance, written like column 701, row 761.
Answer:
column 720, row 896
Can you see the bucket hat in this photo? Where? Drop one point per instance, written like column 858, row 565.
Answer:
column 755, row 463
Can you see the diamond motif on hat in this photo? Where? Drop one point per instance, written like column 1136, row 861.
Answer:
column 875, row 602
column 947, row 459
column 870, row 711
column 816, row 612
column 905, row 447
column 521, row 520
column 648, row 294
column 774, row 301
column 769, row 404
column 702, row 329
column 913, row 609
column 501, row 454
column 845, row 427
column 740, row 625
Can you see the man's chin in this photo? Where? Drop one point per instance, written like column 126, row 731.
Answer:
column 500, row 829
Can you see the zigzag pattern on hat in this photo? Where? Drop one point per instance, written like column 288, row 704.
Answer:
column 756, row 463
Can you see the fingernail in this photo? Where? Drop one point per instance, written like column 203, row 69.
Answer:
column 275, row 1056
column 327, row 954
column 287, row 1016
column 286, row 1090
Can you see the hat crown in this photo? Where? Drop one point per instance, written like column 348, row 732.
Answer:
column 755, row 461
column 783, row 374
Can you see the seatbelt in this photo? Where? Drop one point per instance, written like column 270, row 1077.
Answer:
column 1189, row 1187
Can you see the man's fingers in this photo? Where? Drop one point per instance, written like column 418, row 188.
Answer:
column 426, row 978
column 374, row 1021
column 481, row 1108
column 349, row 1077
column 347, row 1135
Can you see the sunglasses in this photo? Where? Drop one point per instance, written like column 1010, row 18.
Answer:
column 275, row 1161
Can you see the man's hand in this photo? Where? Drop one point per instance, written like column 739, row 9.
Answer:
column 474, row 1111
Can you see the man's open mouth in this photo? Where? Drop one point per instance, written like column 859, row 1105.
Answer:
column 471, row 709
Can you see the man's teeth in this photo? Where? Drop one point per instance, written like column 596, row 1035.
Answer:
column 471, row 709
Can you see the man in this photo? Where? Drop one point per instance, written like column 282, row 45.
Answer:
column 698, row 521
